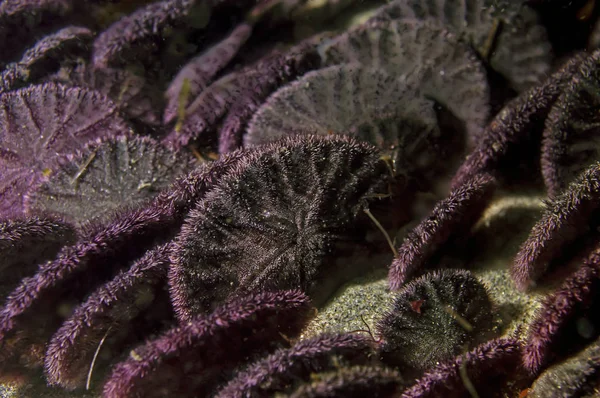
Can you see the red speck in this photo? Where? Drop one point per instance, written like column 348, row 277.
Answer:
column 416, row 305
column 524, row 393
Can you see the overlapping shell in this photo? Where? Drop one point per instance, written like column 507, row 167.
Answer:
column 104, row 177
column 102, row 117
column 41, row 123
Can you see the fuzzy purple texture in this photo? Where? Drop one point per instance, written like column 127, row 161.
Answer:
column 38, row 124
column 35, row 300
column 286, row 367
column 12, row 77
column 232, row 130
column 201, row 70
column 125, row 237
column 138, row 33
column 352, row 382
column 248, row 87
column 514, row 124
column 112, row 307
column 188, row 360
column 493, row 359
column 202, row 115
column 460, row 209
column 554, row 323
column 566, row 218
column 49, row 45
column 12, row 8
column 47, row 54
column 132, row 94
column 312, row 191
column 568, row 146
column 275, row 71
column 26, row 242
column 68, row 41
column 21, row 20
column 141, row 27
column 16, row 232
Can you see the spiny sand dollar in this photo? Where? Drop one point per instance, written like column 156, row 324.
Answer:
column 424, row 54
column 571, row 142
column 102, row 178
column 365, row 103
column 274, row 220
column 505, row 33
column 40, row 123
